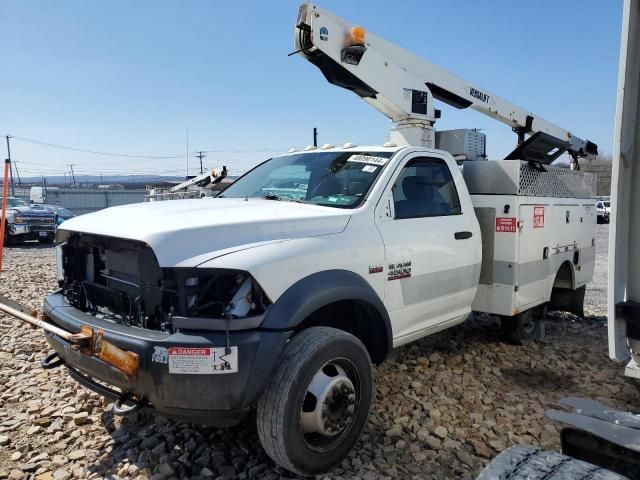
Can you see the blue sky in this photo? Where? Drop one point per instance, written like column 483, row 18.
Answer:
column 128, row 77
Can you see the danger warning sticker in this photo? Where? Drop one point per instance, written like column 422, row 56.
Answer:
column 538, row 217
column 506, row 224
column 202, row 361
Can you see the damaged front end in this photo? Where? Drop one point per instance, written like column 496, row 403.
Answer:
column 186, row 342
column 121, row 281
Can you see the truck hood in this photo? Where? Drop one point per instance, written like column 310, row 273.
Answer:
column 27, row 211
column 188, row 232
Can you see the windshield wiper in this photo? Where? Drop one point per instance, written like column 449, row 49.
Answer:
column 272, row 196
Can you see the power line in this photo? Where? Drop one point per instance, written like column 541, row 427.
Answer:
column 95, row 152
column 153, row 157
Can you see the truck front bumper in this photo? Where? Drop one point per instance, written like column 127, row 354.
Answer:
column 219, row 399
column 24, row 231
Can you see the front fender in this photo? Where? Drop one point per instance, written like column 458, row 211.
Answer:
column 311, row 293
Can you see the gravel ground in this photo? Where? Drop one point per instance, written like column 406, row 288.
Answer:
column 444, row 405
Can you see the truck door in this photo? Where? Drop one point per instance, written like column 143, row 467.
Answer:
column 432, row 246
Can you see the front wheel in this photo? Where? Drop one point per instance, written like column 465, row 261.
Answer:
column 8, row 240
column 317, row 401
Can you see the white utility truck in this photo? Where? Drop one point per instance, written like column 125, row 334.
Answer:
column 282, row 290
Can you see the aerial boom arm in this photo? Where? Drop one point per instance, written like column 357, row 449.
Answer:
column 402, row 86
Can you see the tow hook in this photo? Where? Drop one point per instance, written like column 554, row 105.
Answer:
column 52, row 360
column 88, row 341
column 137, row 403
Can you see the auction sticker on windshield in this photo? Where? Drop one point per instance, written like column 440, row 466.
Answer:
column 368, row 159
column 203, row 361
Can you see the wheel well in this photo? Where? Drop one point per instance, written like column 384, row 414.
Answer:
column 357, row 318
column 564, row 277
column 564, row 296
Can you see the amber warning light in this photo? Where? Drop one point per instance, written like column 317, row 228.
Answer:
column 357, row 36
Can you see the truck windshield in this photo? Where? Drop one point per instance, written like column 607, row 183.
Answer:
column 333, row 179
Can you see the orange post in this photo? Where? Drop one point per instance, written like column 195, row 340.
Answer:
column 5, row 192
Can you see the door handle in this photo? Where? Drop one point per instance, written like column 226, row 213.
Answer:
column 462, row 235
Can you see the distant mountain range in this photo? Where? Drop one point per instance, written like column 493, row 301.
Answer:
column 124, row 179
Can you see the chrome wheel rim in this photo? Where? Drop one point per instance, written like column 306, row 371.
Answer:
column 330, row 405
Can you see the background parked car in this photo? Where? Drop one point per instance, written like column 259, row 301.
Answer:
column 603, row 208
column 25, row 222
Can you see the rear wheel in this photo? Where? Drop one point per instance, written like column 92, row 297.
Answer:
column 317, row 402
column 526, row 462
column 525, row 327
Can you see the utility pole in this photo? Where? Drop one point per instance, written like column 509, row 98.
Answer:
column 186, row 177
column 13, row 187
column 72, row 174
column 315, row 137
column 201, row 155
column 15, row 165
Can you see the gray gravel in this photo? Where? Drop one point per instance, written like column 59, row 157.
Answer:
column 444, row 405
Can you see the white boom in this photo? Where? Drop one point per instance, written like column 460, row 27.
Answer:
column 402, row 86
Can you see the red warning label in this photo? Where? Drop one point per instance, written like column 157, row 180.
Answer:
column 538, row 217
column 506, row 224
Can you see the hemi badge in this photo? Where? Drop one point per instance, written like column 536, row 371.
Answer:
column 375, row 269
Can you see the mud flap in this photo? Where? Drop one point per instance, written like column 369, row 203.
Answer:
column 567, row 300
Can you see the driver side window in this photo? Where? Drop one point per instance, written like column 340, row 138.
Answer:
column 425, row 188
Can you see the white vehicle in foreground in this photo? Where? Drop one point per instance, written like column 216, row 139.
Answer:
column 259, row 298
column 284, row 289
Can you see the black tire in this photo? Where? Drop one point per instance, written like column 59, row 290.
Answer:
column 280, row 408
column 525, row 327
column 526, row 462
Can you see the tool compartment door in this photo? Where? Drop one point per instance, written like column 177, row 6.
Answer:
column 536, row 231
column 432, row 246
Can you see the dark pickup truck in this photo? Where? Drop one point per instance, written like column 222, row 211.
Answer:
column 25, row 222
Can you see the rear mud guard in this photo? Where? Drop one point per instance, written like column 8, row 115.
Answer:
column 567, row 300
